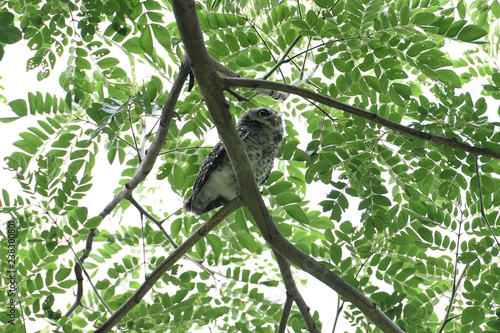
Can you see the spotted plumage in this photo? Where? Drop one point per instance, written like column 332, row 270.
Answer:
column 261, row 132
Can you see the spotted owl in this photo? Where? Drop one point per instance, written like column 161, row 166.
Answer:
column 261, row 132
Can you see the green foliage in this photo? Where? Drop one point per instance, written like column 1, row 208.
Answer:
column 403, row 220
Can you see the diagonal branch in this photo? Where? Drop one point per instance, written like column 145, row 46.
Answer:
column 293, row 293
column 167, row 235
column 212, row 86
column 166, row 264
column 372, row 117
column 140, row 174
column 287, row 307
column 481, row 203
column 229, row 72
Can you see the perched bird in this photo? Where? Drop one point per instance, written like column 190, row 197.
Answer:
column 261, row 132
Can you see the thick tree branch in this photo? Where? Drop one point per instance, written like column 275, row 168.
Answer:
column 212, row 90
column 372, row 117
column 166, row 264
column 140, row 174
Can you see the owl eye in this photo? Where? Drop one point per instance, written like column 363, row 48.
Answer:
column 263, row 113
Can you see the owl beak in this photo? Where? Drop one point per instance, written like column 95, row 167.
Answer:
column 276, row 121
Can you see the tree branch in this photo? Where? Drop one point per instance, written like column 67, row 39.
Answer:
column 372, row 117
column 287, row 307
column 167, row 235
column 293, row 292
column 140, row 174
column 211, row 86
column 481, row 203
column 166, row 264
column 229, row 72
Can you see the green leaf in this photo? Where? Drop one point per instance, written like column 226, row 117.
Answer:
column 396, row 73
column 215, row 243
column 311, row 18
column 423, row 18
column 19, row 107
column 324, row 3
column 455, row 28
column 133, row 45
column 62, row 274
column 248, row 242
column 178, row 177
column 243, row 61
column 287, row 198
column 93, row 222
column 214, row 313
column 381, row 200
column 335, row 253
column 373, row 82
column 467, row 257
column 108, row 63
column 146, row 41
column 395, row 97
column 449, row 77
column 470, row 33
column 332, row 138
column 26, row 146
column 78, row 321
column 473, row 314
column 495, row 77
column 495, row 8
column 82, row 63
column 279, row 187
column 162, row 35
column 297, row 213
column 81, row 213
column 403, row 90
column 33, row 139
column 9, row 34
column 426, row 234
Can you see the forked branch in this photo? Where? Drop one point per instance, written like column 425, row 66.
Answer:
column 230, row 82
column 140, row 174
column 212, row 86
column 166, row 264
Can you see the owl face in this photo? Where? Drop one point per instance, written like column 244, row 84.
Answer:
column 263, row 115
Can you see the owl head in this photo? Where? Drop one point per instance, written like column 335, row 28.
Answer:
column 263, row 115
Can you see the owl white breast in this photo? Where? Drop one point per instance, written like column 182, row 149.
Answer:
column 261, row 132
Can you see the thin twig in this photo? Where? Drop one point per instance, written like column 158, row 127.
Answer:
column 293, row 291
column 481, row 203
column 287, row 307
column 455, row 272
column 167, row 235
column 140, row 174
column 340, row 306
column 133, row 136
column 166, row 264
column 282, row 60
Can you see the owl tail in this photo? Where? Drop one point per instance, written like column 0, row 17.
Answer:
column 188, row 205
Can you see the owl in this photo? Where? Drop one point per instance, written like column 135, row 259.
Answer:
column 261, row 132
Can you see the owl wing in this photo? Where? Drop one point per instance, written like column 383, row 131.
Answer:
column 216, row 156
